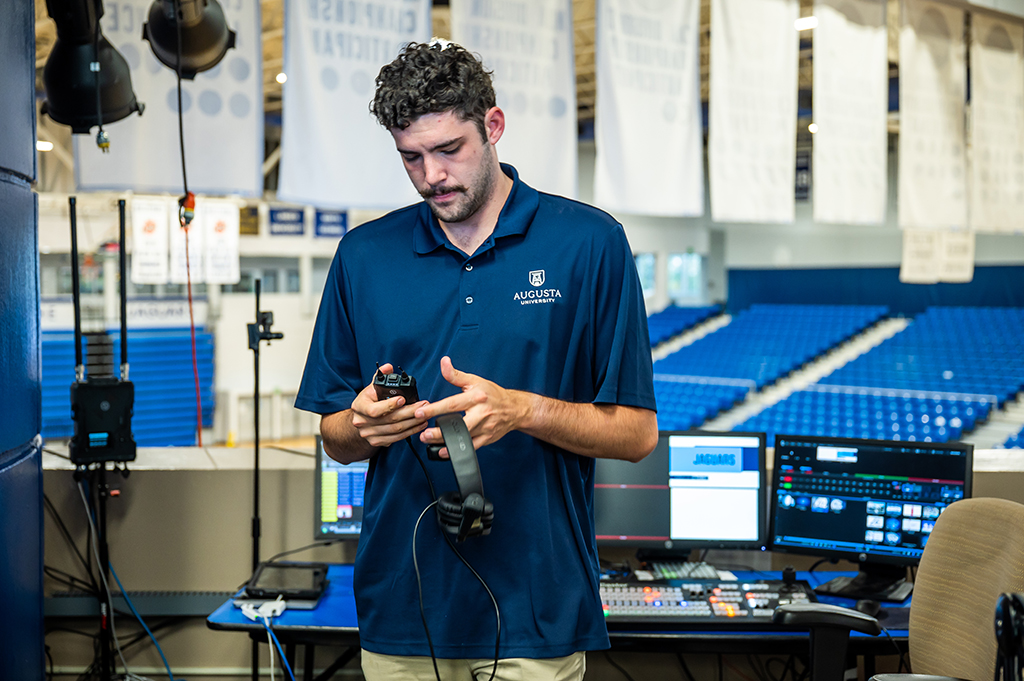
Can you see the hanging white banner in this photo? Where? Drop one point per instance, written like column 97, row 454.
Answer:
column 334, row 154
column 150, row 225
column 219, row 220
column 931, row 256
column 222, row 111
column 997, row 125
column 647, row 124
column 752, row 110
column 195, row 268
column 851, row 97
column 932, row 178
column 529, row 46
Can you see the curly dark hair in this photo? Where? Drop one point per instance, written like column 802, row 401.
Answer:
column 432, row 78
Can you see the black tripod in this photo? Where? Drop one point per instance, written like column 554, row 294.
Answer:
column 259, row 331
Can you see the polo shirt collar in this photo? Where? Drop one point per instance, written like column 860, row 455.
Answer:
column 514, row 219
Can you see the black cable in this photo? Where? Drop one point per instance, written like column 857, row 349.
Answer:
column 71, row 581
column 419, row 585
column 96, row 56
column 71, row 542
column 177, row 70
column 49, row 658
column 314, row 545
column 757, row 666
column 451, row 545
column 56, row 453
column 903, row 661
column 615, row 664
column 686, row 667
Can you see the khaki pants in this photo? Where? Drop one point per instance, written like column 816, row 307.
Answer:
column 395, row 668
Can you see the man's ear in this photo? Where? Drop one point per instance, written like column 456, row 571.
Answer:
column 494, row 124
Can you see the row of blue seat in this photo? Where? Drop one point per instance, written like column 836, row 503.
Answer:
column 683, row 405
column 674, row 319
column 1015, row 441
column 913, row 418
column 960, row 350
column 766, row 342
column 161, row 370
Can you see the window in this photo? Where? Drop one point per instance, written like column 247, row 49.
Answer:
column 685, row 276
column 645, row 267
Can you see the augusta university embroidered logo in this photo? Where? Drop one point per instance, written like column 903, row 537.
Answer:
column 537, row 294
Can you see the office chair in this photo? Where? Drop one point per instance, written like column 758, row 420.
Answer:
column 974, row 554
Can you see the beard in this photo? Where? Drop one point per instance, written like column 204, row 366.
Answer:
column 468, row 199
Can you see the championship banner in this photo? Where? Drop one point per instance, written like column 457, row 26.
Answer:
column 752, row 110
column 330, row 223
column 851, row 101
column 647, row 124
column 997, row 125
column 150, row 226
column 931, row 256
column 529, row 47
column 932, row 169
column 222, row 112
column 219, row 220
column 334, row 154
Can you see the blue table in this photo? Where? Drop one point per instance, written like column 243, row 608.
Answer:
column 333, row 622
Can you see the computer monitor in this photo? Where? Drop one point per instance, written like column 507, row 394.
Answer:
column 873, row 502
column 337, row 497
column 696, row 490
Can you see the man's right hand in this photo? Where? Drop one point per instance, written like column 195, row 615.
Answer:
column 383, row 422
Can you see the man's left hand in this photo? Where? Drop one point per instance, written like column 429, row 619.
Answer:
column 491, row 411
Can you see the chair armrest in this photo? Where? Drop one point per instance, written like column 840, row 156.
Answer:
column 810, row 615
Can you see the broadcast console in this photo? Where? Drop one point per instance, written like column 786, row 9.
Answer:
column 699, row 603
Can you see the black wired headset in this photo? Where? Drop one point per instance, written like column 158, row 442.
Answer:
column 466, row 513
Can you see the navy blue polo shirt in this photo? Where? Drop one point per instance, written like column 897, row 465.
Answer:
column 551, row 304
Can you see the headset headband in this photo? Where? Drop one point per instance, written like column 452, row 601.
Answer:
column 461, row 453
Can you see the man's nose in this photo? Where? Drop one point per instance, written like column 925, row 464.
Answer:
column 434, row 171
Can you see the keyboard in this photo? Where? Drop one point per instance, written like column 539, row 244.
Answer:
column 682, row 570
column 698, row 603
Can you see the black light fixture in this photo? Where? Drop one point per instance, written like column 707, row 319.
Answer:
column 203, row 31
column 87, row 81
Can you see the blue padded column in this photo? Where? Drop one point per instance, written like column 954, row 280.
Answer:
column 21, row 475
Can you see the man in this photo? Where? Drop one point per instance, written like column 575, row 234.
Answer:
column 524, row 312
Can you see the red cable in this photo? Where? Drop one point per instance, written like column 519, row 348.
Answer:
column 192, row 328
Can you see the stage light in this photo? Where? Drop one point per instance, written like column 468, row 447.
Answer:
column 86, row 80
column 281, row 78
column 812, row 128
column 205, row 36
column 43, row 145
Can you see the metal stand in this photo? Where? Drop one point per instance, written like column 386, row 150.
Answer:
column 98, row 441
column 259, row 331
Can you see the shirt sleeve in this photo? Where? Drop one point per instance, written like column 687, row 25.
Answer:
column 331, row 378
column 622, row 345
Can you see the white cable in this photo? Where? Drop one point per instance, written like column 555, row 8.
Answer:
column 266, row 622
column 106, row 587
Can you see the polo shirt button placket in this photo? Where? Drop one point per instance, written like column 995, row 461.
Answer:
column 469, row 309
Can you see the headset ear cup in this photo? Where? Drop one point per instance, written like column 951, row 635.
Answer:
column 449, row 511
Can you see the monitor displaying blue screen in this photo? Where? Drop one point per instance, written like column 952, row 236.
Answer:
column 863, row 500
column 695, row 490
column 338, row 497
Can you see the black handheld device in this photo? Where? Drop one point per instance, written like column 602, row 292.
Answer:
column 395, row 384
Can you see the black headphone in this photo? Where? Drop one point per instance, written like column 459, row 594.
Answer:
column 466, row 513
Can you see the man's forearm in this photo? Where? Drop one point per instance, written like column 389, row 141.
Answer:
column 342, row 441
column 605, row 431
